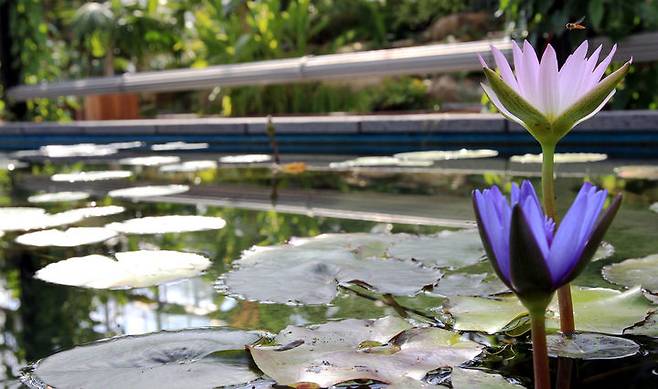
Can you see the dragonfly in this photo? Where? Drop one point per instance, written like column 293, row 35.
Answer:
column 576, row 25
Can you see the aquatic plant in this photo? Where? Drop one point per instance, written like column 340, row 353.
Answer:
column 533, row 258
column 549, row 103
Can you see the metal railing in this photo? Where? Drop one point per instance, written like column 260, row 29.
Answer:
column 437, row 58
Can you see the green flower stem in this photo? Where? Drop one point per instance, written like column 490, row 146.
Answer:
column 539, row 350
column 567, row 325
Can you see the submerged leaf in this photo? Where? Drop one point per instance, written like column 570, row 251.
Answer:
column 636, row 271
column 331, row 355
column 590, row 346
column 132, row 269
column 181, row 359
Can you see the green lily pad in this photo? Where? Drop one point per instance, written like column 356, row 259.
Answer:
column 444, row 155
column 560, row 158
column 649, row 327
column 361, row 243
column 72, row 237
column 472, row 378
column 360, row 349
column 295, row 274
column 590, row 346
column 57, row 197
column 463, row 284
column 452, row 249
column 168, row 224
column 132, row 269
column 181, row 359
column 637, row 271
column 607, row 311
column 654, row 207
column 620, row 309
column 26, row 219
column 484, row 314
column 148, row 191
column 92, row 176
column 605, row 250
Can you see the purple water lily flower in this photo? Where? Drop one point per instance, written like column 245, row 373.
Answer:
column 528, row 254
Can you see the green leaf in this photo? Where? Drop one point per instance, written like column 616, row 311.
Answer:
column 590, row 346
column 483, row 314
column 636, row 271
column 471, row 378
column 535, row 121
column 595, row 13
column 588, row 103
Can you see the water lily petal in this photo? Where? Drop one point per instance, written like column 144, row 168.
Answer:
column 566, row 242
column 531, row 76
column 570, row 75
column 504, row 68
column 535, row 218
column 548, row 82
column 500, row 265
column 600, row 69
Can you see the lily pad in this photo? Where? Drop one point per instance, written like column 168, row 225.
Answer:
column 561, row 158
column 102, row 175
column 149, row 191
column 153, row 160
column 484, row 314
column 132, row 269
column 168, row 224
column 620, row 309
column 246, row 158
column 361, row 243
column 605, row 250
column 96, row 211
column 590, row 346
column 444, row 155
column 77, row 150
column 462, row 284
column 25, row 219
column 126, row 145
column 170, row 146
column 638, row 172
column 75, row 236
column 292, row 274
column 189, row 166
column 182, row 359
column 654, row 207
column 472, row 378
column 360, row 349
column 379, row 161
column 636, row 271
column 649, row 327
column 57, row 197
column 452, row 249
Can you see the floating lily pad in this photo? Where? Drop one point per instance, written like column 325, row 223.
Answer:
column 149, row 191
column 291, row 274
column 126, row 145
column 410, row 383
column 462, row 284
column 561, row 158
column 153, row 160
column 484, row 314
column 132, row 269
column 91, row 176
column 443, row 155
column 361, row 243
column 96, row 211
column 360, row 349
column 649, row 327
column 592, row 305
column 590, row 346
column 471, row 379
column 654, row 207
column 246, row 158
column 638, row 172
column 189, row 166
column 182, row 359
column 75, row 236
column 636, row 271
column 379, row 161
column 57, row 197
column 605, row 250
column 25, row 219
column 453, row 249
column 170, row 146
column 77, row 150
column 168, row 224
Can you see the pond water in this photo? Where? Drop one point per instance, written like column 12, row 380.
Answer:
column 262, row 206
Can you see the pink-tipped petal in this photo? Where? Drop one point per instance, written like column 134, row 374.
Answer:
column 505, row 70
column 548, row 82
column 595, row 77
column 530, row 79
column 482, row 62
column 570, row 75
column 518, row 68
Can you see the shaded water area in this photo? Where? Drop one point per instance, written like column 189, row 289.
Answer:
column 265, row 207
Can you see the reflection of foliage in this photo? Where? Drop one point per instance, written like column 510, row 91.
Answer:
column 545, row 21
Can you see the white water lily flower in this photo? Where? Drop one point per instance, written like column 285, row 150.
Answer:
column 544, row 99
